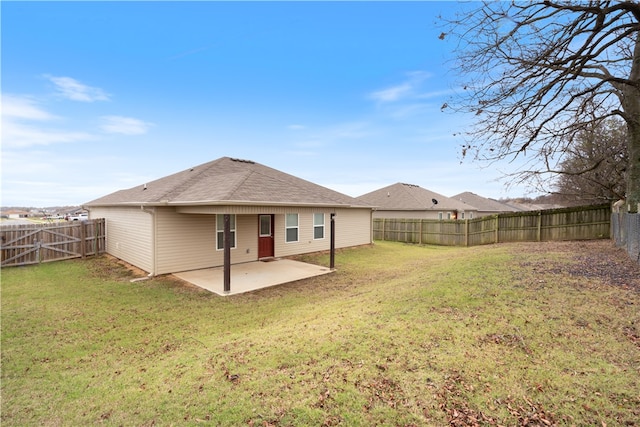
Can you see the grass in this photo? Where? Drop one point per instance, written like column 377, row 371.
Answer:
column 399, row 335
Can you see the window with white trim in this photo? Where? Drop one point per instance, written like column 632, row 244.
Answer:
column 265, row 225
column 318, row 226
column 220, row 231
column 291, row 228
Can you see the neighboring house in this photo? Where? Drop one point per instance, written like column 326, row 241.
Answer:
column 176, row 223
column 412, row 201
column 16, row 214
column 485, row 206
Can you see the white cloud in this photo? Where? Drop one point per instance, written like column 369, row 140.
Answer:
column 23, row 107
column 124, row 125
column 295, row 127
column 391, row 94
column 17, row 132
column 18, row 135
column 407, row 89
column 76, row 91
column 436, row 94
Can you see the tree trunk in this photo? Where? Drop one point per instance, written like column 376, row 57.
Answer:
column 633, row 169
column 631, row 107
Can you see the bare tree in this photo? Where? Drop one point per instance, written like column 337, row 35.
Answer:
column 593, row 169
column 537, row 73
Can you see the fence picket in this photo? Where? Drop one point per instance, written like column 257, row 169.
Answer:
column 584, row 222
column 35, row 243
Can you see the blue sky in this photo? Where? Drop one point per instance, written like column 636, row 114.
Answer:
column 98, row 97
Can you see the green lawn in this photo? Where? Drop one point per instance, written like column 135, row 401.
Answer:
column 399, row 335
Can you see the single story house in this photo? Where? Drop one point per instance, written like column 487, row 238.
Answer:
column 412, row 201
column 484, row 205
column 177, row 223
column 15, row 214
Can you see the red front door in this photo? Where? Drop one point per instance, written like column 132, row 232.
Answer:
column 265, row 238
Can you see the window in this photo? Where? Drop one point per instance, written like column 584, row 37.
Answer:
column 291, row 228
column 318, row 226
column 220, row 231
column 265, row 225
column 461, row 215
column 440, row 216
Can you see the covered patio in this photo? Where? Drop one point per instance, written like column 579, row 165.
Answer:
column 252, row 276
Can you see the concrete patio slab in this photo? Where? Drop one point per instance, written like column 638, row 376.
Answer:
column 251, row 276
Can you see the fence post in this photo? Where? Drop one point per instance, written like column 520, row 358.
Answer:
column 539, row 231
column 420, row 236
column 383, row 230
column 497, row 224
column 95, row 237
column 83, row 238
column 38, row 245
column 466, row 232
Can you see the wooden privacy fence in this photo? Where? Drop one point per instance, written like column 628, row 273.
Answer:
column 579, row 223
column 36, row 243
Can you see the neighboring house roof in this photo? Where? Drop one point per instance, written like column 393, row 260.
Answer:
column 228, row 181
column 409, row 197
column 522, row 206
column 484, row 204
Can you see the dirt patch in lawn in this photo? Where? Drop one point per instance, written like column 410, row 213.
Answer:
column 109, row 267
column 592, row 259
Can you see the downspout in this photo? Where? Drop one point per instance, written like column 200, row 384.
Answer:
column 152, row 211
column 371, row 227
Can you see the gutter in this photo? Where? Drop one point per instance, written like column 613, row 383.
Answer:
column 235, row 203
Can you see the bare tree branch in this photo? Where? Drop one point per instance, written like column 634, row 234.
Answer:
column 535, row 74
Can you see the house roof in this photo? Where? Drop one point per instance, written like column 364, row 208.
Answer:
column 484, row 204
column 228, row 181
column 409, row 197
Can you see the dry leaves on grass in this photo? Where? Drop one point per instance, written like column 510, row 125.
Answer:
column 459, row 413
column 590, row 259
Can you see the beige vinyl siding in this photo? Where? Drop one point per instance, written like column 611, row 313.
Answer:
column 188, row 241
column 410, row 214
column 353, row 228
column 247, row 243
column 129, row 234
column 423, row 214
column 184, row 242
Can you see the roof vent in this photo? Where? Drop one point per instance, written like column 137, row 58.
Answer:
column 243, row 161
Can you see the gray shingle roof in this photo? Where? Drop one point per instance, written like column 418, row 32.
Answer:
column 228, row 181
column 483, row 204
column 408, row 197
